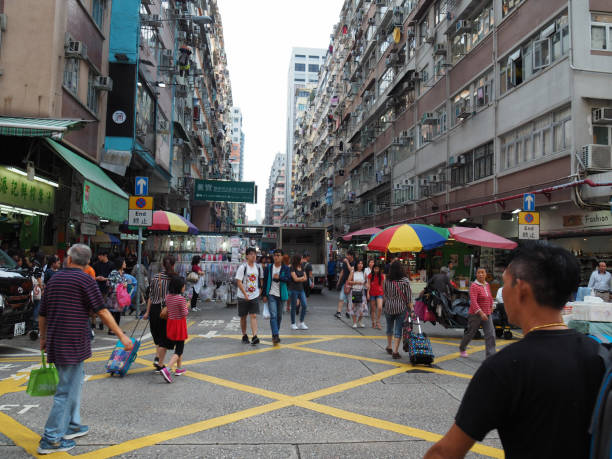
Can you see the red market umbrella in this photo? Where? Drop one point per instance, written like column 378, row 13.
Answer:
column 362, row 232
column 481, row 238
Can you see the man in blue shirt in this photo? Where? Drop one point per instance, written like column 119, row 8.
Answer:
column 600, row 282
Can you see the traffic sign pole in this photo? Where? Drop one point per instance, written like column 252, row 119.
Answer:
column 139, row 273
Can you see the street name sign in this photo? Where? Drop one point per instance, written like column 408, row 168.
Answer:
column 529, row 225
column 529, row 202
column 140, row 211
column 224, row 191
column 141, row 186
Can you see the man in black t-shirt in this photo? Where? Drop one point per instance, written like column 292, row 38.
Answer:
column 307, row 268
column 538, row 393
column 103, row 268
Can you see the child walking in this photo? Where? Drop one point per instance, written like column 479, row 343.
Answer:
column 176, row 328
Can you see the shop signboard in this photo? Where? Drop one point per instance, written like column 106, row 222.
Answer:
column 17, row 191
column 588, row 220
column 140, row 211
column 529, row 225
column 225, row 191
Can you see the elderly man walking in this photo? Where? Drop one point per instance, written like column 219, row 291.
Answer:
column 64, row 333
column 600, row 282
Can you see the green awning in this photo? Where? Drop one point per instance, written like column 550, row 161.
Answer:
column 101, row 196
column 37, row 127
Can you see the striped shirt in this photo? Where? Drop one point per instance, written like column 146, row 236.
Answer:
column 177, row 306
column 159, row 287
column 480, row 298
column 70, row 296
column 397, row 296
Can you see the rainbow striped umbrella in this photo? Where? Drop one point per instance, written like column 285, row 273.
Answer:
column 168, row 221
column 408, row 238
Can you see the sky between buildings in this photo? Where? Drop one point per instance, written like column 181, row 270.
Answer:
column 258, row 37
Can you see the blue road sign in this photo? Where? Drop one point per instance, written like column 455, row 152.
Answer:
column 141, row 187
column 529, row 202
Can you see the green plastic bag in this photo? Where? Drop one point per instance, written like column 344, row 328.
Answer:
column 43, row 382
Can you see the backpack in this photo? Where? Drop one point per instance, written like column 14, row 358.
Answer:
column 601, row 422
column 260, row 275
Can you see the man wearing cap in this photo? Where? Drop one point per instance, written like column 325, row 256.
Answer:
column 600, row 282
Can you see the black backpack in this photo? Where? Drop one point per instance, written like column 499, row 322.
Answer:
column 601, row 422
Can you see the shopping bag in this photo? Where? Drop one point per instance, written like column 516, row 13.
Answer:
column 43, row 382
column 123, row 297
column 266, row 311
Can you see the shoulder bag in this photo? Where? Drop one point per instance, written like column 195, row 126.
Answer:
column 163, row 314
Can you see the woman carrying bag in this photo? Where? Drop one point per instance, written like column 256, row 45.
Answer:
column 358, row 305
column 116, row 280
column 397, row 300
column 155, row 304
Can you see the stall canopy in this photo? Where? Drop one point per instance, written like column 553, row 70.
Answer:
column 408, row 238
column 37, row 127
column 101, row 196
column 362, row 232
column 168, row 221
column 481, row 238
column 105, row 238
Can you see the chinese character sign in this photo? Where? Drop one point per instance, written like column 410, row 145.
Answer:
column 16, row 190
column 224, row 191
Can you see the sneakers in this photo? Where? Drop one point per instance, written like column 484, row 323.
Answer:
column 348, row 316
column 355, row 325
column 245, row 339
column 196, row 309
column 361, row 324
column 294, row 327
column 463, row 354
column 255, row 340
column 338, row 315
column 302, row 326
column 166, row 374
column 179, row 371
column 46, row 447
column 76, row 433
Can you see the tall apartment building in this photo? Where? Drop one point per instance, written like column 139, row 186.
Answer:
column 275, row 200
column 237, row 159
column 447, row 111
column 303, row 75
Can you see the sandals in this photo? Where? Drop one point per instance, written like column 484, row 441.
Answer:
column 396, row 355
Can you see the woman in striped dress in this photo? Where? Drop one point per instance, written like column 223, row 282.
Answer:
column 397, row 300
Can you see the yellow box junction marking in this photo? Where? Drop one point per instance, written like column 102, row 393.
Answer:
column 28, row 440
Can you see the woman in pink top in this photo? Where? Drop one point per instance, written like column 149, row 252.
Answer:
column 176, row 328
column 481, row 307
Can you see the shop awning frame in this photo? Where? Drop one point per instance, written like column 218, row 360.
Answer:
column 108, row 200
column 38, row 127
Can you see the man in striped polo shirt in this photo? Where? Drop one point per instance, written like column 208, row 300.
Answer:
column 66, row 304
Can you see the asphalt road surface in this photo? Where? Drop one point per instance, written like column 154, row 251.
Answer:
column 330, row 391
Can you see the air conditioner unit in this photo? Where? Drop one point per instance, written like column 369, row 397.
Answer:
column 430, row 39
column 463, row 111
column 371, row 21
column 76, row 49
column 597, row 156
column 423, row 182
column 464, row 26
column 429, row 118
column 602, row 115
column 461, row 159
column 440, row 49
column 103, row 83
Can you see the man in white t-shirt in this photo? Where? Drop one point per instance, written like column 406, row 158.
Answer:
column 249, row 278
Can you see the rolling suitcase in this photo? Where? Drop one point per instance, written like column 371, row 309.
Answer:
column 121, row 360
column 419, row 347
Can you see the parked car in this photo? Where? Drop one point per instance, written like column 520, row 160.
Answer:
column 16, row 306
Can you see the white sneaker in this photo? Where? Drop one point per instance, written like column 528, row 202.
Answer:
column 361, row 325
column 303, row 326
column 294, row 327
column 354, row 325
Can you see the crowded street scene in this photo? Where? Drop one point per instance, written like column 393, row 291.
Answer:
column 306, row 229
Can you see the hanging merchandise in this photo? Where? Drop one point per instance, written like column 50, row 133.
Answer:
column 397, row 34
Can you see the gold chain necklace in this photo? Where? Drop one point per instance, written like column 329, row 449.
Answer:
column 557, row 324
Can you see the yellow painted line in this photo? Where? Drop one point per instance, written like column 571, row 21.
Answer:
column 22, row 436
column 390, row 426
column 352, row 384
column 445, row 372
column 171, row 434
column 349, row 356
column 228, row 356
column 300, row 336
